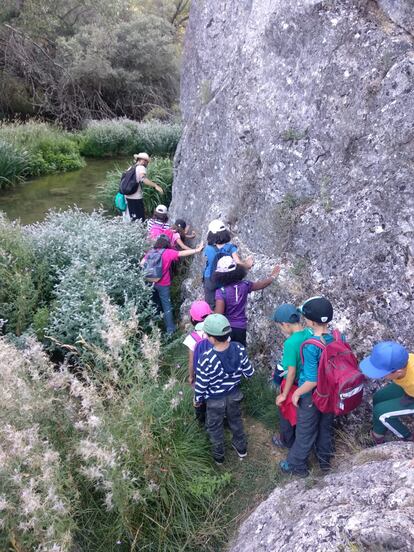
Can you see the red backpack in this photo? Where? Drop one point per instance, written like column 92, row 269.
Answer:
column 340, row 383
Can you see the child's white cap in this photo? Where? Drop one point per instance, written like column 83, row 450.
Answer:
column 216, row 226
column 161, row 209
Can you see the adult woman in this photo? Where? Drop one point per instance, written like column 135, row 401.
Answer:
column 135, row 201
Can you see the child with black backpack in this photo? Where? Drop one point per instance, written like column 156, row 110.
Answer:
column 329, row 383
column 156, row 264
column 232, row 292
column 219, row 245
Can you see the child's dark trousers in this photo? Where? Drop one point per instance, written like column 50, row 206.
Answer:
column 313, row 430
column 229, row 407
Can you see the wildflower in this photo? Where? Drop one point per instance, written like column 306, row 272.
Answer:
column 109, row 501
column 3, row 503
column 172, row 382
column 175, row 401
column 153, row 487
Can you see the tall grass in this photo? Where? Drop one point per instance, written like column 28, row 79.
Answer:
column 44, row 148
column 14, row 164
column 160, row 170
column 126, row 137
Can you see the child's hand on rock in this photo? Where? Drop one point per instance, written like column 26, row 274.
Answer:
column 275, row 272
column 199, row 247
column 249, row 262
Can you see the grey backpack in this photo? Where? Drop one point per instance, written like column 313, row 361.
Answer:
column 153, row 265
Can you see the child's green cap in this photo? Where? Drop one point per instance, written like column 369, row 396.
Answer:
column 216, row 325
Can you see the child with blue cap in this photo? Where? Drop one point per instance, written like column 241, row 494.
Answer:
column 391, row 361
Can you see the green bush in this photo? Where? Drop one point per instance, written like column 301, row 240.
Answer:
column 160, row 170
column 25, row 285
column 45, row 148
column 110, row 461
column 89, row 258
column 126, row 137
column 13, row 164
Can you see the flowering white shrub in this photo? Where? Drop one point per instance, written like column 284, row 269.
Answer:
column 91, row 257
column 105, row 458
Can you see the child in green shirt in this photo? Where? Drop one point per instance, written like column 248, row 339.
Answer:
column 287, row 318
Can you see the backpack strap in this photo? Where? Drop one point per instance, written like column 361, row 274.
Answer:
column 311, row 341
column 197, row 338
column 336, row 334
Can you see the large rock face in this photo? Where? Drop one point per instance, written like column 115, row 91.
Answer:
column 368, row 505
column 299, row 134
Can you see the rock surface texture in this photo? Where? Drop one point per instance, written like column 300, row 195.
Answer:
column 299, row 134
column 368, row 505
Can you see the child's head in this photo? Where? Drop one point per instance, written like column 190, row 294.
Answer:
column 217, row 328
column 163, row 242
column 228, row 272
column 388, row 360
column 287, row 317
column 217, row 233
column 199, row 310
column 160, row 213
column 179, row 226
column 317, row 311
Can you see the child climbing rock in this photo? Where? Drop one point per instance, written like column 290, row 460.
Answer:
column 163, row 254
column 391, row 361
column 219, row 244
column 233, row 290
column 158, row 224
column 199, row 310
column 287, row 318
column 218, row 375
column 313, row 428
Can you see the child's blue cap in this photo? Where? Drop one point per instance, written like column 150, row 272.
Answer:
column 386, row 357
column 287, row 312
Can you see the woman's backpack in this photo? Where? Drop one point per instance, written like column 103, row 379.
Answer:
column 340, row 384
column 128, row 184
column 153, row 265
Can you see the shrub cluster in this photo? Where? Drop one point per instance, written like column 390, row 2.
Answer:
column 126, row 137
column 56, row 273
column 109, row 461
column 160, row 170
column 35, row 149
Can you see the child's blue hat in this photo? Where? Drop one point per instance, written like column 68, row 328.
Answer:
column 287, row 312
column 386, row 357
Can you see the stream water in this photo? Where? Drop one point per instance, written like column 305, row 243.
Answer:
column 30, row 200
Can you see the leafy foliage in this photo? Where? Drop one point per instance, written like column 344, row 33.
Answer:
column 111, row 460
column 35, row 149
column 24, row 281
column 159, row 170
column 13, row 164
column 126, row 137
column 71, row 61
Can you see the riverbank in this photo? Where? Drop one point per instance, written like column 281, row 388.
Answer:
column 37, row 149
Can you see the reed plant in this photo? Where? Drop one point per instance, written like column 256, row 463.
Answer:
column 112, row 137
column 14, row 164
column 44, row 148
column 160, row 170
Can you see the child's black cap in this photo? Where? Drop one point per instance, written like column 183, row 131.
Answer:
column 317, row 309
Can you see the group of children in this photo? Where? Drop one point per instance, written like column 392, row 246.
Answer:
column 218, row 359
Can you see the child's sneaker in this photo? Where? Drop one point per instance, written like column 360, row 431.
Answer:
column 242, row 453
column 277, row 441
column 288, row 469
column 219, row 460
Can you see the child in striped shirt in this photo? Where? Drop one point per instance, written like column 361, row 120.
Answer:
column 218, row 375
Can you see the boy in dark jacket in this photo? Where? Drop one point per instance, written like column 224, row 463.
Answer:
column 218, row 375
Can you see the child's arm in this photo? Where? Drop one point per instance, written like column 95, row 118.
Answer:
column 245, row 364
column 290, row 379
column 310, row 371
column 220, row 306
column 247, row 263
column 180, row 242
column 189, row 233
column 190, row 367
column 262, row 284
column 189, row 251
